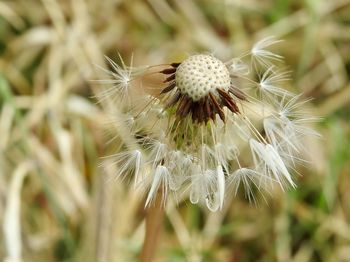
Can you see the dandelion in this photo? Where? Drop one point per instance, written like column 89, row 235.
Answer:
column 193, row 128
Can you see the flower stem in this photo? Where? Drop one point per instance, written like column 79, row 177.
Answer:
column 154, row 223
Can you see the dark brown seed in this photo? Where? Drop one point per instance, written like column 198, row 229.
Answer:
column 168, row 88
column 230, row 104
column 228, row 101
column 184, row 106
column 201, row 111
column 205, row 110
column 187, row 107
column 170, row 78
column 217, row 107
column 238, row 93
column 168, row 71
column 223, row 93
column 195, row 112
column 180, row 106
column 208, row 111
column 175, row 64
column 173, row 100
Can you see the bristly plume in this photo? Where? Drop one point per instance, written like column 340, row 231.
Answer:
column 261, row 55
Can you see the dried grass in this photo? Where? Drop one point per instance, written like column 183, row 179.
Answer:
column 58, row 205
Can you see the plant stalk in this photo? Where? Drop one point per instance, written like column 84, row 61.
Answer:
column 154, row 223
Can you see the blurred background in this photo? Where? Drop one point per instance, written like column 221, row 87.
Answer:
column 55, row 204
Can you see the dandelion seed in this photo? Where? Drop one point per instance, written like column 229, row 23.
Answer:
column 206, row 188
column 194, row 128
column 261, row 55
column 180, row 165
column 128, row 162
column 286, row 127
column 270, row 81
column 248, row 178
column 238, row 67
column 161, row 179
column 119, row 82
column 268, row 161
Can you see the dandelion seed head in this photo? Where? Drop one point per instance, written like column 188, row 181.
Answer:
column 210, row 125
